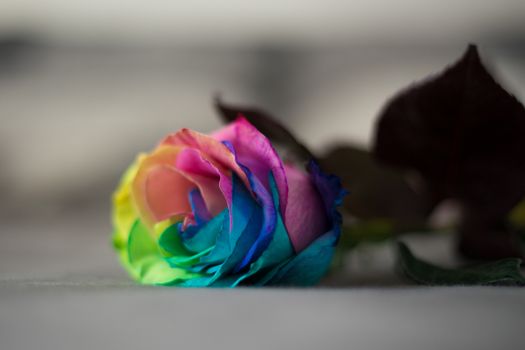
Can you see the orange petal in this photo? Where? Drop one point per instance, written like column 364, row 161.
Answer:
column 159, row 190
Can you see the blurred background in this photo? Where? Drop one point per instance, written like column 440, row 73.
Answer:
column 85, row 86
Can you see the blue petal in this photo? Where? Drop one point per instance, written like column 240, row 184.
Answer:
column 269, row 214
column 243, row 207
column 232, row 243
column 198, row 207
column 332, row 193
column 280, row 248
column 200, row 213
column 329, row 186
column 264, row 236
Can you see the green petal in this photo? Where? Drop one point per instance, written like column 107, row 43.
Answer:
column 171, row 243
column 148, row 263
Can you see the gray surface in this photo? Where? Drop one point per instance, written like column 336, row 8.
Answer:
column 84, row 316
column 61, row 288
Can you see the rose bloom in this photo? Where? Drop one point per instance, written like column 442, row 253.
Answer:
column 223, row 210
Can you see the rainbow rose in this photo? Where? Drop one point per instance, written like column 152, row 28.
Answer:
column 223, row 210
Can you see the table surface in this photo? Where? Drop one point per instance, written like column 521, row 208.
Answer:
column 62, row 288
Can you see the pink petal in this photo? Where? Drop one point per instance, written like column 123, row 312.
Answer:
column 254, row 151
column 195, row 168
column 213, row 151
column 305, row 217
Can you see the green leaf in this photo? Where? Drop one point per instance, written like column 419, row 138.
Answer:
column 504, row 272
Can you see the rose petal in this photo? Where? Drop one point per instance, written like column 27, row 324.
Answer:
column 159, row 191
column 195, row 168
column 198, row 207
column 267, row 227
column 280, row 248
column 305, row 215
column 255, row 152
column 216, row 153
column 165, row 190
column 306, row 268
column 332, row 192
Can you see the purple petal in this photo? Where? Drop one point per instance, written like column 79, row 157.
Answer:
column 305, row 216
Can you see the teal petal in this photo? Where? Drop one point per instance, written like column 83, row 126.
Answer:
column 244, row 243
column 243, row 208
column 308, row 267
column 233, row 242
column 207, row 235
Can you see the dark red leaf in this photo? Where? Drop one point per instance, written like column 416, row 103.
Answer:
column 465, row 135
